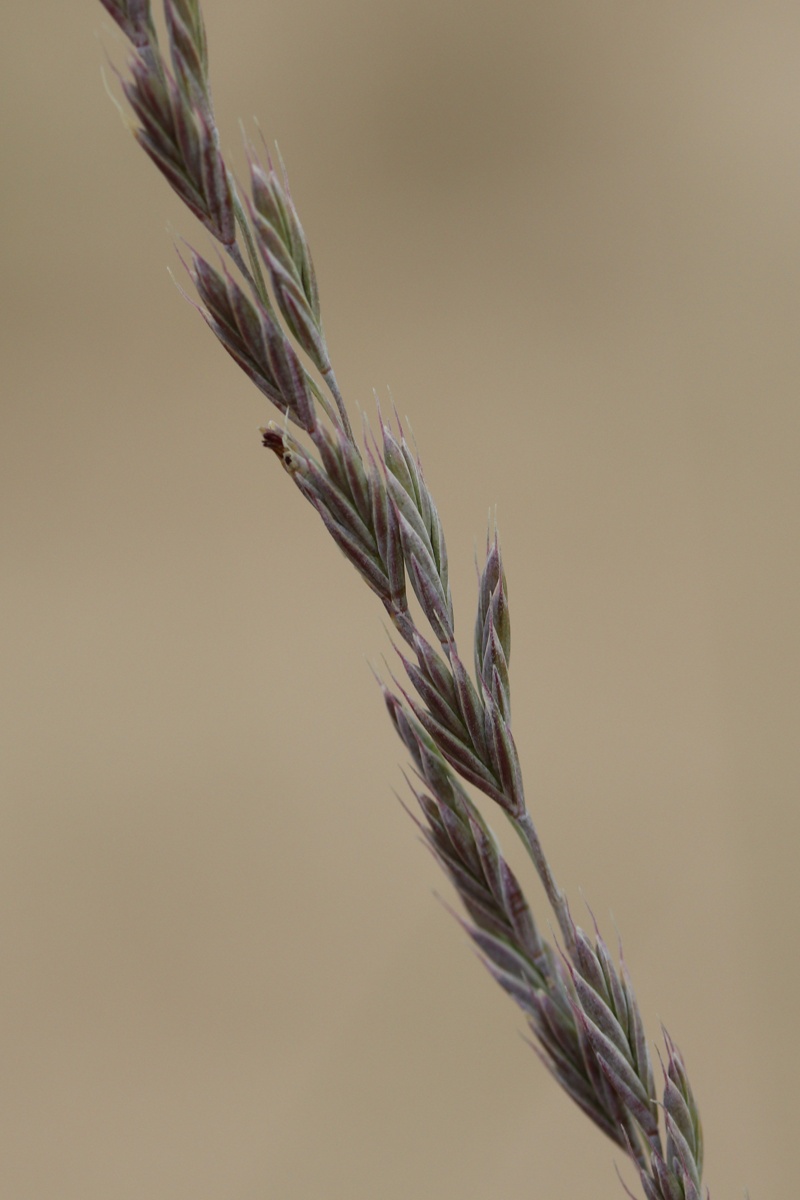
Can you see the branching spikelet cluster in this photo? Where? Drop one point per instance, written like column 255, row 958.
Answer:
column 376, row 504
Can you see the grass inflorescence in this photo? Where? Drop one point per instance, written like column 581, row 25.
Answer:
column 262, row 303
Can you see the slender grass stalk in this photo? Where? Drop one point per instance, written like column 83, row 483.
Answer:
column 375, row 503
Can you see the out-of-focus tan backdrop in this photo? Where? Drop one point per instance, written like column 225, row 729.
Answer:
column 567, row 237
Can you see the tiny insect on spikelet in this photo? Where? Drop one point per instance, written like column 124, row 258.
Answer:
column 262, row 303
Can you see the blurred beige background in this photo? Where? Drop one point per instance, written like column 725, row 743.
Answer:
column 567, row 236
